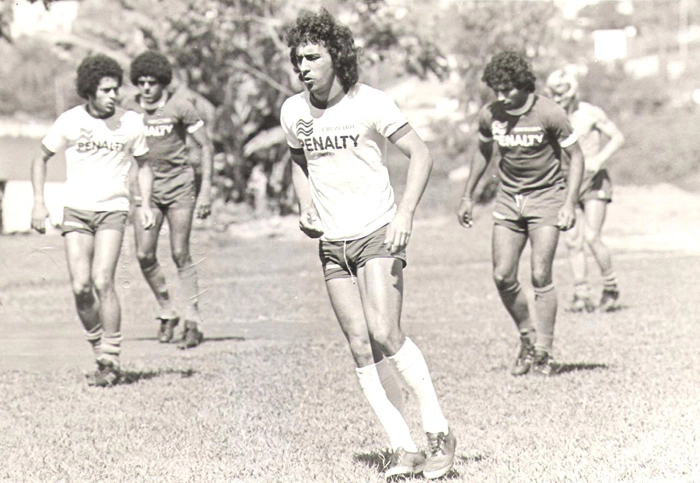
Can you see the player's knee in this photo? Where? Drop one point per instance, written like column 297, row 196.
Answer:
column 541, row 277
column 592, row 237
column 146, row 259
column 103, row 283
column 389, row 340
column 504, row 281
column 574, row 243
column 82, row 290
column 181, row 257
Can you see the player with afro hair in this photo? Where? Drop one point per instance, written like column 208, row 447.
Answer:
column 171, row 121
column 151, row 64
column 92, row 70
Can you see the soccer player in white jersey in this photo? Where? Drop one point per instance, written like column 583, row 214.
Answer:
column 337, row 131
column 599, row 138
column 535, row 199
column 100, row 141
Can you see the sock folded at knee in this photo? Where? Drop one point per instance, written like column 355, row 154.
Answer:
column 512, row 290
column 414, row 370
column 546, row 307
column 389, row 416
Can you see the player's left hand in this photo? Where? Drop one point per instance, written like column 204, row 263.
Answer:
column 398, row 232
column 203, row 208
column 567, row 217
column 148, row 218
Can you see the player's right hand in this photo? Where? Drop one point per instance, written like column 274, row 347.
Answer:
column 464, row 212
column 39, row 215
column 310, row 224
column 148, row 217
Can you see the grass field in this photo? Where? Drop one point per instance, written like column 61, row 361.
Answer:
column 271, row 395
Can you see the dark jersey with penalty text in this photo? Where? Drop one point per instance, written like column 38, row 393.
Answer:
column 530, row 142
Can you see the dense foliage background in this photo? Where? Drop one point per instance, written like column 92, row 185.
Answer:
column 232, row 57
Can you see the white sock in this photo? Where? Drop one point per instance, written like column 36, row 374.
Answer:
column 390, row 417
column 389, row 378
column 411, row 365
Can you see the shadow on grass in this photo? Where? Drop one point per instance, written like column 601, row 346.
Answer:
column 222, row 338
column 376, row 460
column 563, row 368
column 130, row 377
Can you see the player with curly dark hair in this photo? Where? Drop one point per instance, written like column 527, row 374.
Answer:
column 99, row 140
column 151, row 64
column 322, row 29
column 535, row 199
column 92, row 70
column 336, row 131
column 509, row 68
column 171, row 119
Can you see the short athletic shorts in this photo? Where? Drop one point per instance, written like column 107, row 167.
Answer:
column 90, row 222
column 529, row 211
column 596, row 185
column 342, row 259
column 174, row 189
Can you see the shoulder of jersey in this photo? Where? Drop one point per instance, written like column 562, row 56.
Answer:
column 294, row 102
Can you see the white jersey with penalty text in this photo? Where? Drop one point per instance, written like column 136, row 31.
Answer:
column 98, row 154
column 345, row 148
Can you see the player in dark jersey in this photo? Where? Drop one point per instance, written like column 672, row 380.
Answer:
column 534, row 201
column 170, row 119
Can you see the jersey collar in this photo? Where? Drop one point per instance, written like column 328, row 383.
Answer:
column 526, row 107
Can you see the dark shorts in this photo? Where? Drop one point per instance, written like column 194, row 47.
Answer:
column 90, row 222
column 342, row 259
column 529, row 211
column 596, row 185
column 174, row 189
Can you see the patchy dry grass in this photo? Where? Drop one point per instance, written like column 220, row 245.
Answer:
column 272, row 397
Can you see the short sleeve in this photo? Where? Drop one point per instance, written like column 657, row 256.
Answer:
column 288, row 123
column 189, row 116
column 56, row 139
column 559, row 126
column 389, row 117
column 139, row 147
column 484, row 123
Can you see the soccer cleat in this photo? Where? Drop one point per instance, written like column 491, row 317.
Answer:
column 581, row 303
column 608, row 302
column 543, row 364
column 192, row 337
column 524, row 360
column 441, row 454
column 404, row 463
column 106, row 375
column 166, row 330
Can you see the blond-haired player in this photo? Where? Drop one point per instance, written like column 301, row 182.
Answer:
column 599, row 138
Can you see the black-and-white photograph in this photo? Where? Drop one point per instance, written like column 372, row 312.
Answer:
column 349, row 241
